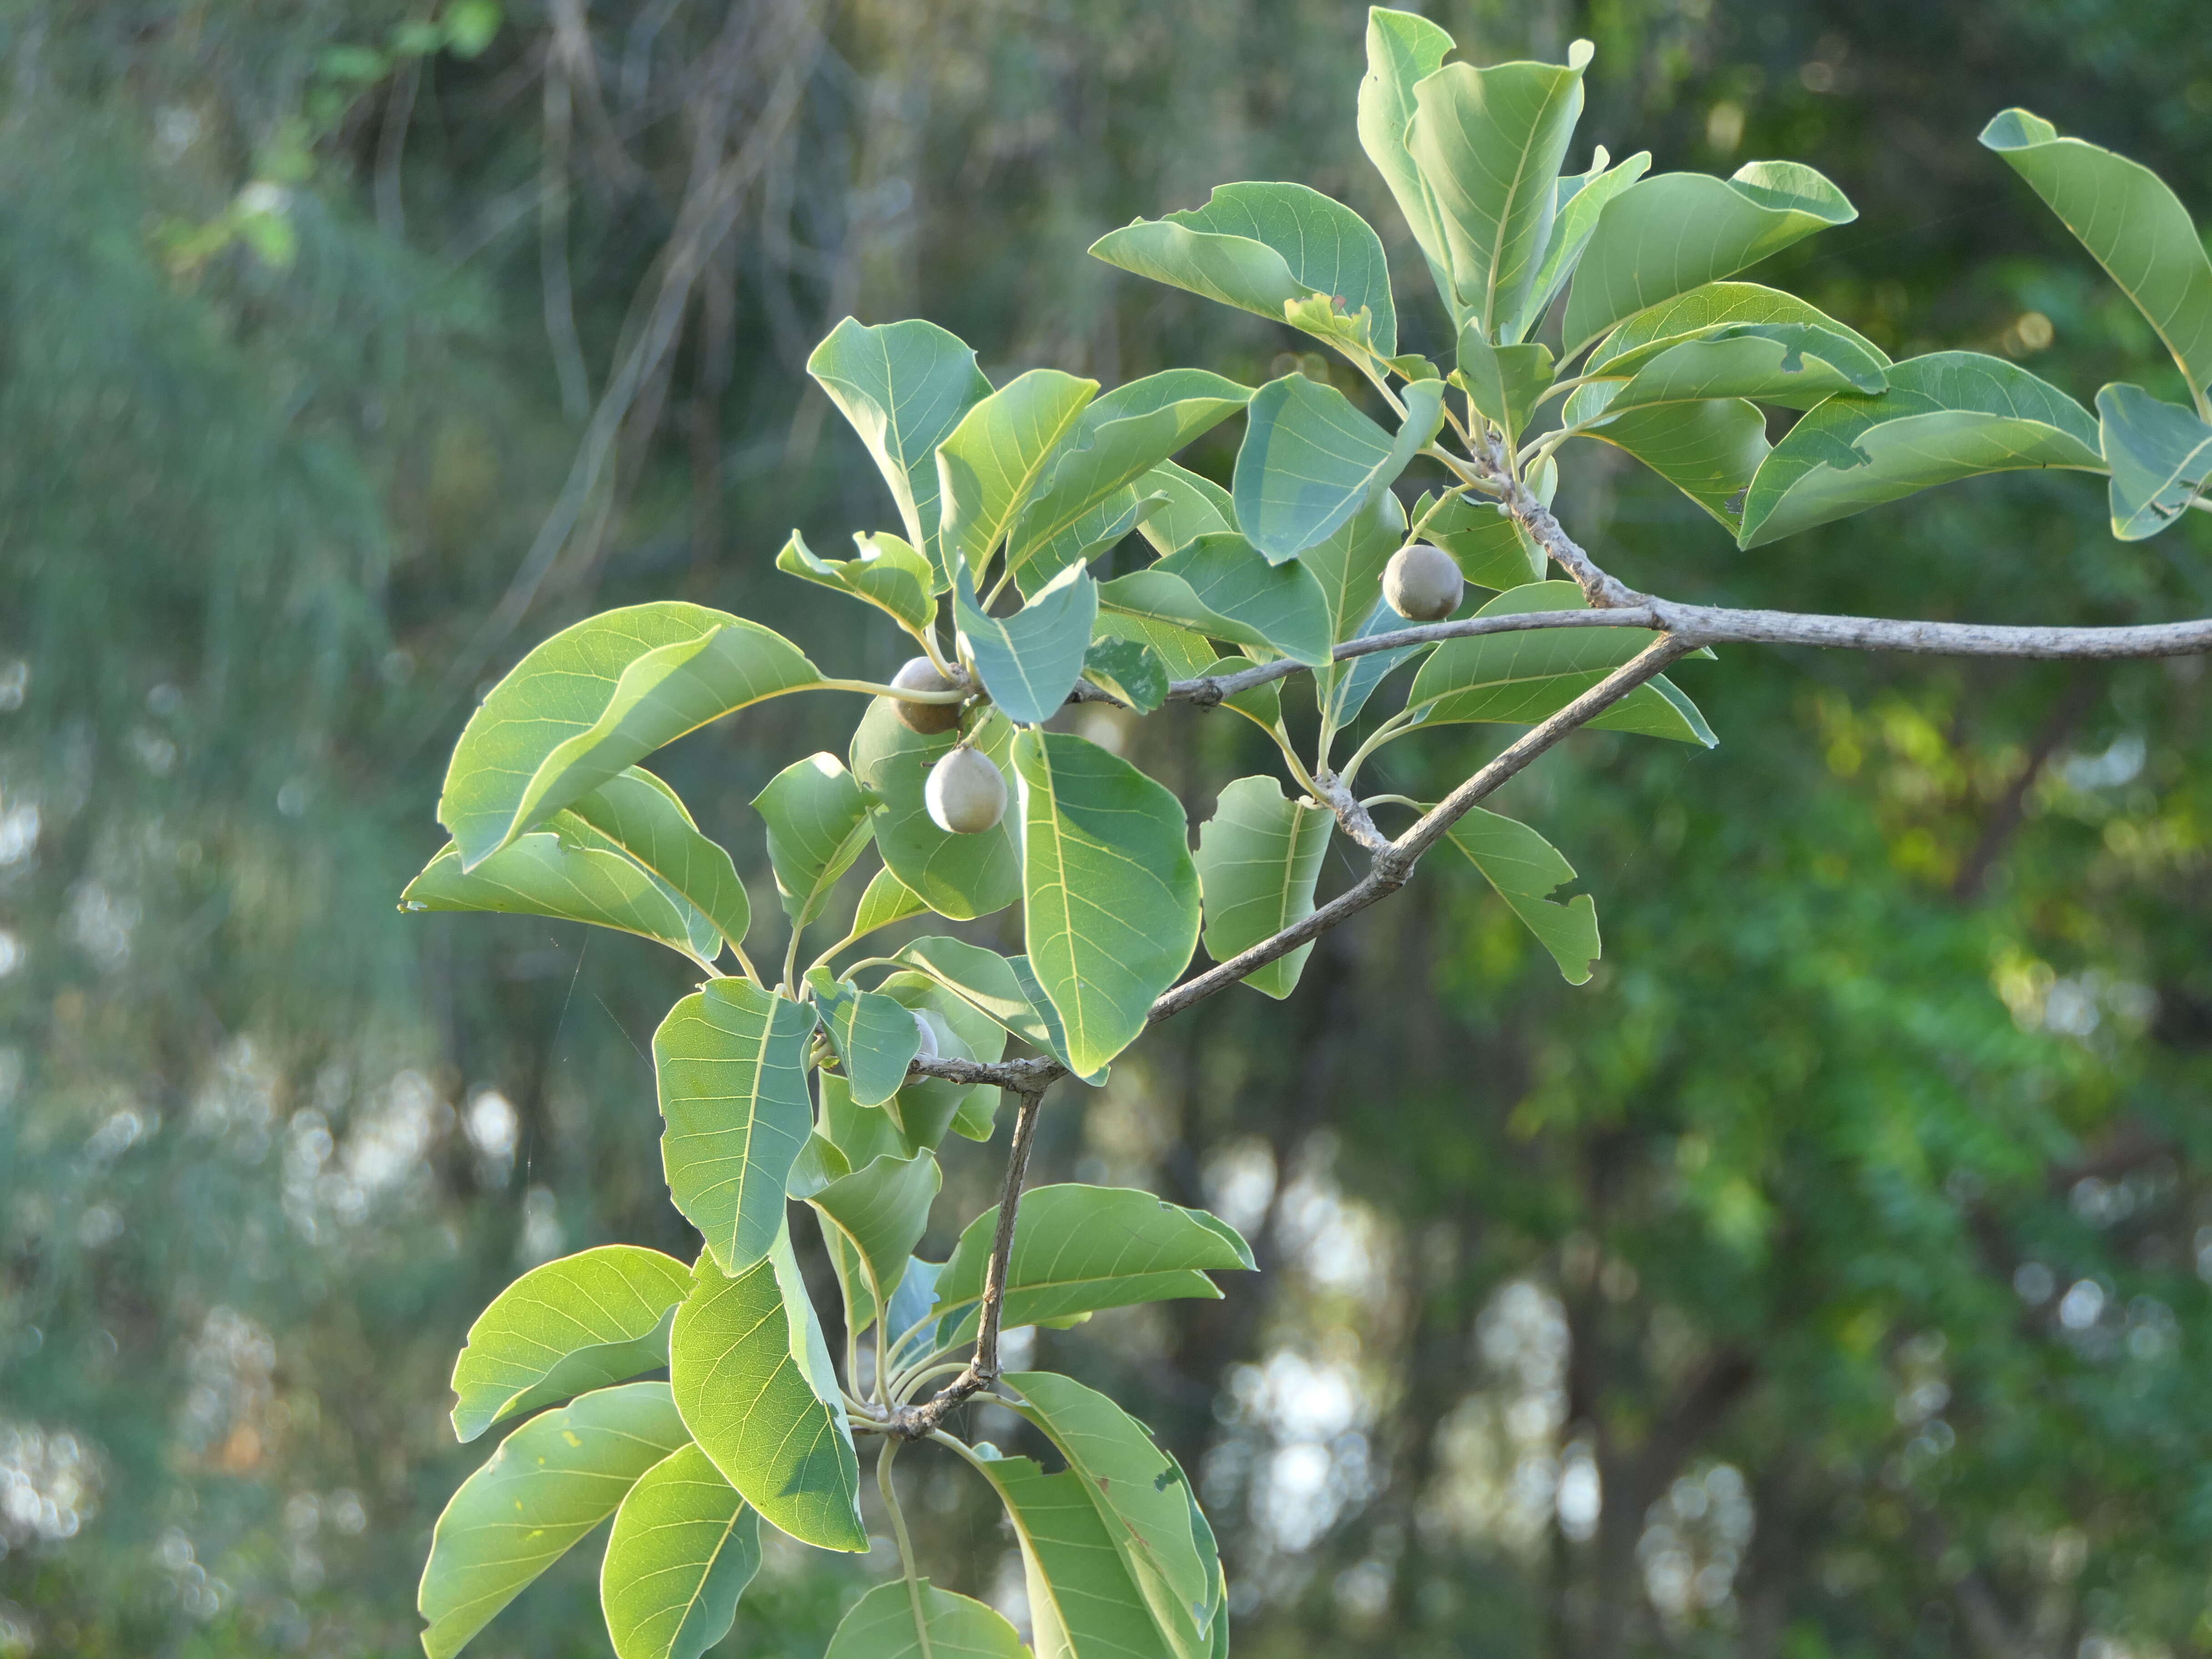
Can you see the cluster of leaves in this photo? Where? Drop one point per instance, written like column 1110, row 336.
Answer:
column 838, row 1086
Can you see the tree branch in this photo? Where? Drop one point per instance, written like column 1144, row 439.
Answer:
column 915, row 1422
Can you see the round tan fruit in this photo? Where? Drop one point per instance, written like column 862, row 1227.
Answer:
column 966, row 794
column 931, row 719
column 1422, row 583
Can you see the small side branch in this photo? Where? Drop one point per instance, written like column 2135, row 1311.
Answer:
column 916, row 1422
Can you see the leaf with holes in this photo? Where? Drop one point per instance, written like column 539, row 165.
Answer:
column 889, row 574
column 2161, row 459
column 1526, row 870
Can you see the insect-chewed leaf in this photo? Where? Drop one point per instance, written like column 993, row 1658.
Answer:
column 560, row 872
column 598, row 697
column 1948, row 416
column 1792, row 365
column 1120, row 438
column 731, row 1059
column 889, row 574
column 961, row 877
column 1526, row 870
column 1310, row 460
column 873, row 1217
column 1110, row 895
column 1522, row 678
column 1403, row 50
column 646, row 819
column 1083, row 1597
column 2125, row 216
column 752, row 1377
column 990, row 464
column 1142, row 1496
column 2161, row 459
column 881, row 1626
column 551, row 1482
column 1579, row 199
column 1078, row 1250
column 1666, row 234
column 1488, row 144
column 1193, row 507
column 1265, row 248
column 876, row 1038
column 904, row 387
column 1259, row 857
column 684, row 1546
column 1130, row 669
column 1030, row 661
column 818, row 823
column 581, row 1322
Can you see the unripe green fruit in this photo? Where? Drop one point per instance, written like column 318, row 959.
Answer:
column 1422, row 583
column 966, row 794
column 929, row 719
column 928, row 1049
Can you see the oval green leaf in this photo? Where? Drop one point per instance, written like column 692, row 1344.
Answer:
column 1030, row 661
column 1259, row 857
column 1310, row 460
column 640, row 814
column 684, row 1546
column 990, row 464
column 959, row 877
column 558, row 872
column 2161, row 459
column 881, row 1625
column 818, row 823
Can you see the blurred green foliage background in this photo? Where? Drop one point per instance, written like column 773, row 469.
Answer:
column 1827, row 1277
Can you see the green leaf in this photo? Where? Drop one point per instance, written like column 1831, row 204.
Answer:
column 1261, row 704
column 684, row 1546
column 2161, row 456
column 646, row 819
column 1141, row 1495
column 881, row 1626
column 1131, row 670
column 753, row 1379
column 926, row 1109
column 1078, row 1249
column 1948, row 416
column 876, row 1038
column 889, row 574
column 993, row 460
column 1310, row 460
column 598, row 697
column 1664, row 235
column 1494, row 549
column 1522, row 678
column 1711, row 451
column 1489, row 143
column 731, row 1059
column 2134, row 226
column 1193, row 507
column 1266, row 248
column 1098, row 528
column 875, row 1217
column 818, row 823
column 821, row 1160
column 1259, row 857
column 1579, row 200
column 1502, row 382
column 1791, row 365
column 1349, row 565
column 1120, row 438
column 543, row 874
column 1004, row 989
column 1109, row 896
column 1403, row 50
column 581, row 1322
column 961, row 877
column 904, row 387
column 1715, row 308
column 887, row 900
column 1526, row 869
column 1030, row 661
column 1185, row 652
column 551, row 1482
column 1358, row 678
column 1275, row 610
